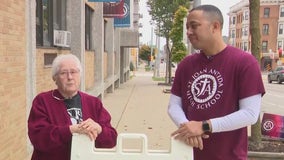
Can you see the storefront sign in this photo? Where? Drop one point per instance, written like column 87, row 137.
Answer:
column 125, row 20
column 112, row 10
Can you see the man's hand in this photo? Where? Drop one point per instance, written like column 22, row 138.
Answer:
column 196, row 141
column 191, row 133
column 189, row 129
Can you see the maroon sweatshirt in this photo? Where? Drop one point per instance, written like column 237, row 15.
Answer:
column 49, row 121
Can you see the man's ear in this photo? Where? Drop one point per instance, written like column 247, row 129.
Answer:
column 216, row 26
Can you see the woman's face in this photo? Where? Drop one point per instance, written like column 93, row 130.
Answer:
column 68, row 78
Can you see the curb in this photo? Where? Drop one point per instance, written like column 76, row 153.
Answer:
column 265, row 156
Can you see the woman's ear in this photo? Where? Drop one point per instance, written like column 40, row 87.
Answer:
column 54, row 79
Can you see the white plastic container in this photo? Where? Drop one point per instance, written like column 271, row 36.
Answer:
column 83, row 149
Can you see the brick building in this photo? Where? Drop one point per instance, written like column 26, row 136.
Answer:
column 271, row 29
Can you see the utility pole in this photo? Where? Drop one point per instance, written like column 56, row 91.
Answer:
column 158, row 58
column 151, row 55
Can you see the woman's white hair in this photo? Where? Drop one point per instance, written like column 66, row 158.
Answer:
column 58, row 60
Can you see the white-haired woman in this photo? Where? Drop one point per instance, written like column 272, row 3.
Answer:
column 58, row 113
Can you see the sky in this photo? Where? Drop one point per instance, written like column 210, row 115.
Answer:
column 223, row 5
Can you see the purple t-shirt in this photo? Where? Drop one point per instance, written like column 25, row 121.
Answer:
column 212, row 87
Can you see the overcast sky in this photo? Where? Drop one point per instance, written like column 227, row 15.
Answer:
column 223, row 5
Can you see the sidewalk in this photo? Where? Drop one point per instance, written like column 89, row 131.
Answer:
column 140, row 106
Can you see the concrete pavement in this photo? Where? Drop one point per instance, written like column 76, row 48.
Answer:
column 140, row 106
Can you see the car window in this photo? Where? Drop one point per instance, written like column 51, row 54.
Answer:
column 279, row 68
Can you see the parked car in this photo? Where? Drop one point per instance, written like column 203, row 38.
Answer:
column 276, row 75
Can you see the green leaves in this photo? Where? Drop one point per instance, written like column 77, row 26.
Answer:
column 145, row 52
column 176, row 35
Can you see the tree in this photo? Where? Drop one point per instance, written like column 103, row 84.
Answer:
column 255, row 49
column 162, row 12
column 176, row 35
column 145, row 52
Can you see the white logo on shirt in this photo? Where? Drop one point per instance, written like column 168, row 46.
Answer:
column 205, row 90
column 75, row 115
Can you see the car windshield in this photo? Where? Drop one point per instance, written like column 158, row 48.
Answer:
column 280, row 68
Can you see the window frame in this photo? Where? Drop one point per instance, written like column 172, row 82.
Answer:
column 55, row 12
column 280, row 31
column 88, row 27
column 282, row 12
column 265, row 29
column 266, row 12
column 264, row 46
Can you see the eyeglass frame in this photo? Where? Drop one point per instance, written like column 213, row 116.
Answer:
column 65, row 73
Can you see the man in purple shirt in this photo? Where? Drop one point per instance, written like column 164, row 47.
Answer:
column 57, row 114
column 216, row 93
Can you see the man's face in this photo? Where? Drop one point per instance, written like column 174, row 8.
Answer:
column 68, row 78
column 199, row 30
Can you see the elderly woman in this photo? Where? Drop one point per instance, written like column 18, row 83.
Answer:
column 57, row 114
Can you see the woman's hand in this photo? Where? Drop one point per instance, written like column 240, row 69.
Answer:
column 88, row 127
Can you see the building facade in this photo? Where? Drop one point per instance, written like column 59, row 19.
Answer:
column 32, row 34
column 271, row 30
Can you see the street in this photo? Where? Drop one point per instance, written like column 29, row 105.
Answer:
column 272, row 101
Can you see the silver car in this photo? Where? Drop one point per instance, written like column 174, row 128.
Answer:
column 276, row 75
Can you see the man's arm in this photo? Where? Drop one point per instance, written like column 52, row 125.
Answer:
column 175, row 110
column 246, row 115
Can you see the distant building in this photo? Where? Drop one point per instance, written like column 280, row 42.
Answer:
column 271, row 29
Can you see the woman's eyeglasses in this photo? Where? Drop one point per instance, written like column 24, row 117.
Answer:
column 67, row 73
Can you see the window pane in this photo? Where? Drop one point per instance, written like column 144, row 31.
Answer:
column 280, row 28
column 59, row 15
column 266, row 12
column 46, row 22
column 265, row 29
column 88, row 27
column 279, row 44
column 264, row 46
column 39, row 27
column 282, row 12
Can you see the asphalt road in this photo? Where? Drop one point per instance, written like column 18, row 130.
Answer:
column 273, row 100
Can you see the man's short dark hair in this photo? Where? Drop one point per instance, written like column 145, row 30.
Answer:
column 212, row 12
